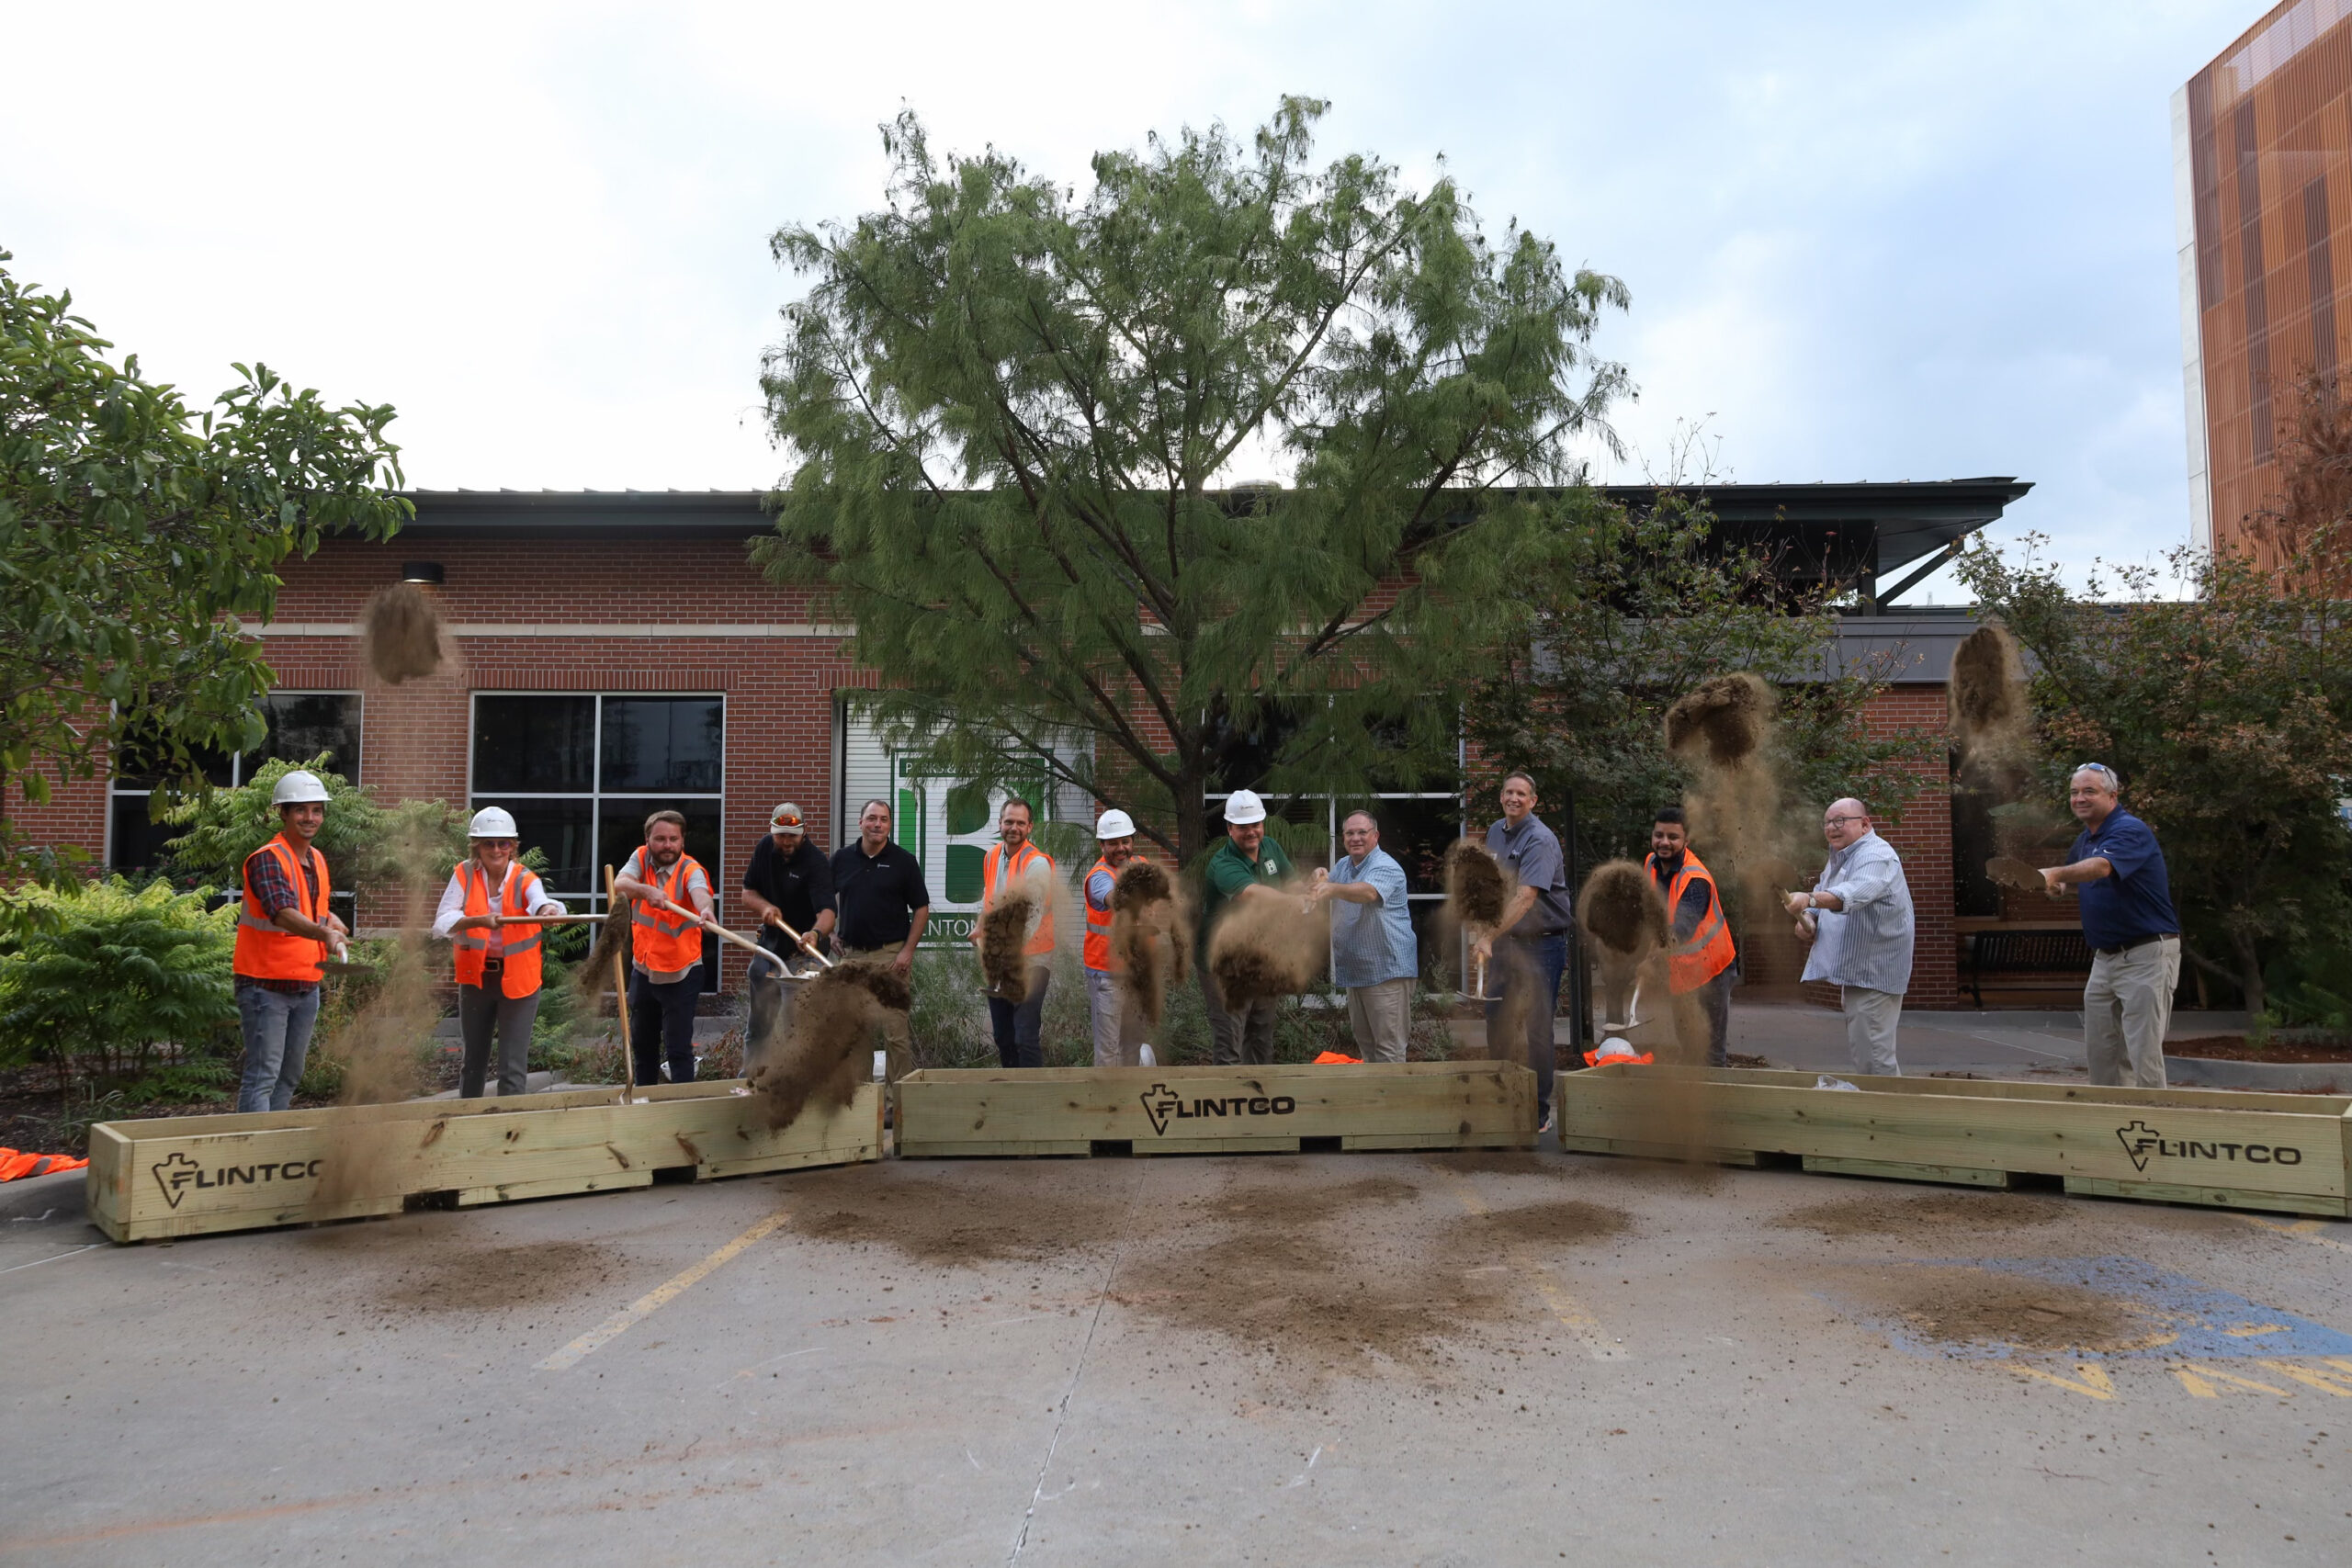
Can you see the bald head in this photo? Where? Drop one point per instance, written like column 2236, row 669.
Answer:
column 1845, row 821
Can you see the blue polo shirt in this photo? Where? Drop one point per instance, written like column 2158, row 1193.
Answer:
column 2134, row 902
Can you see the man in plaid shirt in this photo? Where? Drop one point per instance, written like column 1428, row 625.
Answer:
column 283, row 933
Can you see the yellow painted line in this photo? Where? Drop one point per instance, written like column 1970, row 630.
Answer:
column 1570, row 1312
column 2094, row 1383
column 2199, row 1381
column 653, row 1301
column 2250, row 1331
column 2326, row 1383
column 2301, row 1230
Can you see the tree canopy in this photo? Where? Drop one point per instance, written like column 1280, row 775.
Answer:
column 134, row 532
column 1013, row 411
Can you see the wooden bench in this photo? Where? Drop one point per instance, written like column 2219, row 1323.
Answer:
column 2041, row 955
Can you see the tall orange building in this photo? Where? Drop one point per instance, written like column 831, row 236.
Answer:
column 2262, row 176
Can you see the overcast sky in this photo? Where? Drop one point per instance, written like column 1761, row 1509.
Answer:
column 1864, row 242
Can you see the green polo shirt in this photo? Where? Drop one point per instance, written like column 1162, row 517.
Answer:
column 1230, row 872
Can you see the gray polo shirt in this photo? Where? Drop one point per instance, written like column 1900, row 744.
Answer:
column 1532, row 853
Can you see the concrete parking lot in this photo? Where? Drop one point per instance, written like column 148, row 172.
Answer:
column 1324, row 1359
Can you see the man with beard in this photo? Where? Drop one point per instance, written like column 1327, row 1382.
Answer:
column 1116, row 1015
column 1699, row 957
column 666, row 976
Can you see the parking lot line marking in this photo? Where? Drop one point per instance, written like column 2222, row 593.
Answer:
column 2096, row 1383
column 2199, row 1381
column 653, row 1301
column 2335, row 1383
column 1571, row 1313
column 52, row 1258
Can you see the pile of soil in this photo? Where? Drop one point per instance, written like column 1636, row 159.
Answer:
column 1268, row 947
column 1148, row 935
column 2238, row 1048
column 441, row 1277
column 983, row 1214
column 1982, row 1307
column 1923, row 1217
column 825, row 1058
column 1620, row 908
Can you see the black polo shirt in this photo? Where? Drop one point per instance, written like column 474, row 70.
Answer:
column 798, row 884
column 877, row 897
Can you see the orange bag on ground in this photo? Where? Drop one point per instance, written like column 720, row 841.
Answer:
column 15, row 1165
column 1328, row 1057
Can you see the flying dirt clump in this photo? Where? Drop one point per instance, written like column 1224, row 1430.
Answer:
column 1267, row 947
column 1004, row 931
column 1621, row 911
column 832, row 1027
column 1148, row 935
column 1721, row 722
column 401, row 635
column 1723, row 730
column 1476, row 886
column 1992, row 720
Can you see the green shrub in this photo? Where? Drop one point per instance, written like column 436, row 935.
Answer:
column 105, row 982
column 364, row 844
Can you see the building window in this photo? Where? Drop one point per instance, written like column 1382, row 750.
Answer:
column 581, row 774
column 300, row 726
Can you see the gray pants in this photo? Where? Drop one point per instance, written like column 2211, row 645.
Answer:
column 2126, row 1008
column 1117, row 1018
column 277, row 1042
column 1246, row 1035
column 1380, row 1015
column 1872, row 1018
column 478, row 1007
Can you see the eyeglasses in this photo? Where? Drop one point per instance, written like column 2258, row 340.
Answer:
column 1827, row 821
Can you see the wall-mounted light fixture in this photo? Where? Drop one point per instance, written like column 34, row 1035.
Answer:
column 427, row 572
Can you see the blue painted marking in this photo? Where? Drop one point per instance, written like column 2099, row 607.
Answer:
column 2185, row 1319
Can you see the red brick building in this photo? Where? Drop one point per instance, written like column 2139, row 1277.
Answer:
column 620, row 652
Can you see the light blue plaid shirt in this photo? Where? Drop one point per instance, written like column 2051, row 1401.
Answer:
column 1868, row 943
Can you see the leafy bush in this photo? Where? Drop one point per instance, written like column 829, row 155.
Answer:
column 100, row 979
column 417, row 842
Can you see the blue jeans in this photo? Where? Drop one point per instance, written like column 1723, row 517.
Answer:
column 1016, row 1027
column 277, row 1042
column 1538, row 964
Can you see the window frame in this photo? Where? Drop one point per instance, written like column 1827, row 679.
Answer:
column 236, row 764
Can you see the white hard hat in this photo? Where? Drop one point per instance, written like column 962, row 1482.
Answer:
column 298, row 788
column 1114, row 824
column 1614, row 1046
column 492, row 822
column 1243, row 807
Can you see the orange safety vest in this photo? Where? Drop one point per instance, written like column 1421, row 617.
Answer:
column 1043, row 941
column 519, row 971
column 1690, row 964
column 1099, row 956
column 666, row 941
column 267, row 951
column 16, row 1166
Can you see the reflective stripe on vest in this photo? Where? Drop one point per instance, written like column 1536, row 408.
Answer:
column 1099, row 956
column 519, row 965
column 664, row 941
column 1709, row 951
column 265, row 949
column 1042, row 940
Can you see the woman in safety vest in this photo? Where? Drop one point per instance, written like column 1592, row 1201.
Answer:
column 485, row 914
column 1698, row 959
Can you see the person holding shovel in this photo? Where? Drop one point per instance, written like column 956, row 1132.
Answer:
column 1529, row 947
column 788, row 883
column 1014, row 863
column 1247, row 865
column 485, row 912
column 666, row 975
column 1117, row 1018
column 284, row 930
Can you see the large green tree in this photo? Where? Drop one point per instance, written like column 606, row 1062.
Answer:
column 1010, row 409
column 135, row 532
column 2229, row 714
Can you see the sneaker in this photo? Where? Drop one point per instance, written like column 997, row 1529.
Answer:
column 1546, row 1125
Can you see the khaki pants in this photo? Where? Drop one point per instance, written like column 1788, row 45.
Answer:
column 1871, row 1018
column 1118, row 1018
column 2126, row 1008
column 1382, row 1017
column 896, row 1039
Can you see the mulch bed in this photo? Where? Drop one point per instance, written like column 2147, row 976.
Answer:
column 2237, row 1048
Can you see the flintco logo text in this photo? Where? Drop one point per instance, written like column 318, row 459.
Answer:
column 1164, row 1105
column 179, row 1175
column 2142, row 1141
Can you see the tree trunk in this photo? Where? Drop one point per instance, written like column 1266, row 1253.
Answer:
column 2250, row 973
column 1192, row 817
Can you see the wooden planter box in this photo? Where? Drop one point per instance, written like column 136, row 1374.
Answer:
column 2291, row 1153
column 1259, row 1110
column 195, row 1175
